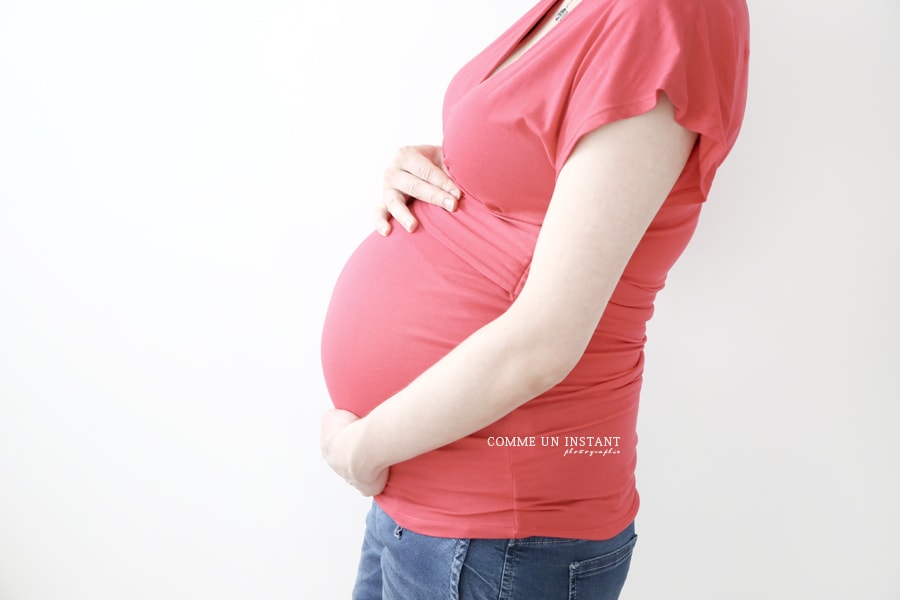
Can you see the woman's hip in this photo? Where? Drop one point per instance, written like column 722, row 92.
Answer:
column 399, row 564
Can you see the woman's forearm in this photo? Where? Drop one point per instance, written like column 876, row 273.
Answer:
column 493, row 372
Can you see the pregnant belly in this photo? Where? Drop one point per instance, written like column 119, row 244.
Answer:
column 400, row 304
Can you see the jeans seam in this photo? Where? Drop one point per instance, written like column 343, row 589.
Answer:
column 459, row 557
column 615, row 558
column 507, row 578
column 618, row 557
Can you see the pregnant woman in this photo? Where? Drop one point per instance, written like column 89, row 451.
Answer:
column 486, row 367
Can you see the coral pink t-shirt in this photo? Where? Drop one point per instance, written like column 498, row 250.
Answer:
column 562, row 464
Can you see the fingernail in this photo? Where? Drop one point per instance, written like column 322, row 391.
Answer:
column 383, row 229
column 449, row 203
column 455, row 193
column 409, row 224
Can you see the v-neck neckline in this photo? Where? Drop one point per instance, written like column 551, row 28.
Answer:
column 520, row 37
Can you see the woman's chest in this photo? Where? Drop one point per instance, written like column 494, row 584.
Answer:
column 504, row 111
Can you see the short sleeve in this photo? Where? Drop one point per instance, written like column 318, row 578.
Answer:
column 695, row 51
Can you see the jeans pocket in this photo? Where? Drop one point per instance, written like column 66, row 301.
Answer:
column 601, row 577
column 420, row 566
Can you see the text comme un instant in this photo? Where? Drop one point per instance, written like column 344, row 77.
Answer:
column 553, row 441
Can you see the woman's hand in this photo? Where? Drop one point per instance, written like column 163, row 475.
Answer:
column 339, row 440
column 415, row 173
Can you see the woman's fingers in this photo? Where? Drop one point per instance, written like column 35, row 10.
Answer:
column 421, row 173
column 425, row 184
column 332, row 422
column 382, row 220
column 414, row 173
column 393, row 204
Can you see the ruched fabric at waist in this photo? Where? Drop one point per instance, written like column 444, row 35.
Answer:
column 496, row 246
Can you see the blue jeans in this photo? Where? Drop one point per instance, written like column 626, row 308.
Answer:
column 398, row 564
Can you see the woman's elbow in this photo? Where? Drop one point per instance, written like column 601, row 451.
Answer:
column 550, row 362
column 544, row 350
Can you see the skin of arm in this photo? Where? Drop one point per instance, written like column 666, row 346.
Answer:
column 606, row 195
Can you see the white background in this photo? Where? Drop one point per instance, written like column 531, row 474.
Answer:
column 180, row 183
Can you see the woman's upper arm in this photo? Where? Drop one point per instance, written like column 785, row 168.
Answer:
column 606, row 195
